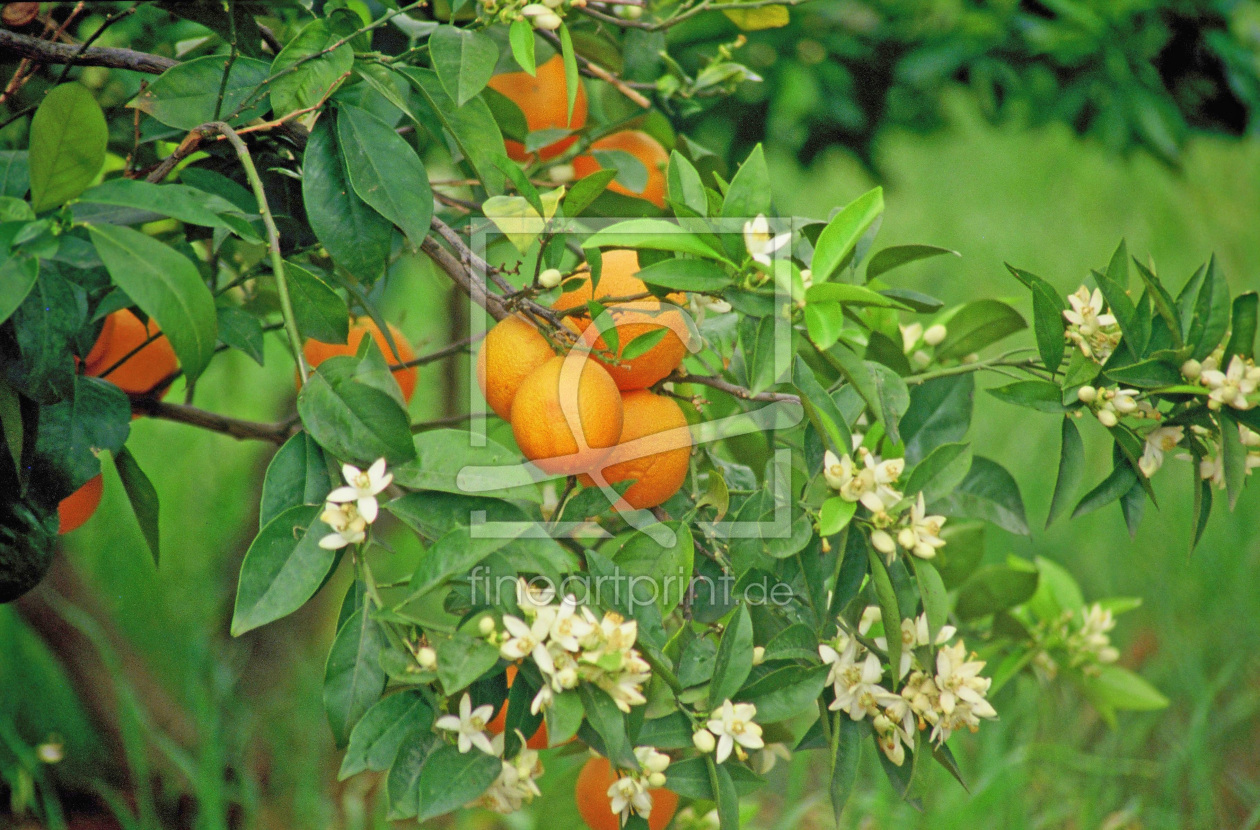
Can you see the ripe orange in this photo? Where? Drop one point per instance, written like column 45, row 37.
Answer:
column 633, row 318
column 544, row 98
column 510, row 351
column 78, row 507
column 658, row 464
column 595, row 806
column 317, row 351
column 496, row 726
column 140, row 373
column 564, row 396
column 643, row 147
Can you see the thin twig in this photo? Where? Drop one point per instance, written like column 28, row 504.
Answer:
column 277, row 433
column 446, row 351
column 733, row 389
column 449, row 420
column 594, row 70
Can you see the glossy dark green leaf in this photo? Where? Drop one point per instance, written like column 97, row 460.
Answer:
column 68, row 138
column 18, row 274
column 1115, row 485
column 472, row 126
column 95, row 417
column 353, row 677
column 375, row 740
column 15, row 173
column 1162, row 302
column 734, row 658
column 899, row 255
column 821, row 410
column 1048, row 322
column 240, row 330
column 297, row 475
column 455, row 553
column 932, row 591
column 669, row 568
column 990, row 493
column 1145, row 374
column 305, row 71
column 939, row 413
column 43, row 326
column 462, row 659
column 450, row 779
column 938, row 474
column 143, row 498
column 1234, row 458
column 563, row 717
column 785, row 692
column 978, row 324
column 727, row 795
column 385, row 172
column 403, row 781
column 1242, row 339
column 840, row 237
column 995, row 588
column 844, row 761
column 1071, row 469
column 356, row 236
column 464, row 60
column 352, row 419
column 282, row 569
column 186, row 95
column 320, row 311
column 608, row 723
column 166, row 287
column 689, row 777
column 187, row 204
column 585, row 190
column 1041, row 395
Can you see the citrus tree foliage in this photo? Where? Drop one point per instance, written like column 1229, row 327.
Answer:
column 852, row 609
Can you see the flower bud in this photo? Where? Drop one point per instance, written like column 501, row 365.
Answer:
column 553, row 4
column 907, row 538
column 970, row 358
column 547, row 20
column 1124, row 404
column 426, row 657
column 1107, row 418
column 759, row 655
column 883, row 542
column 550, row 278
column 807, row 278
column 1191, row 369
column 486, row 626
column 1087, row 394
column 629, row 12
column 704, row 741
column 935, row 335
column 920, row 359
column 561, row 173
column 656, row 779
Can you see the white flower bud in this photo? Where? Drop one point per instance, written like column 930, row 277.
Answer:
column 971, row 358
column 550, row 278
column 629, row 12
column 759, row 655
column 704, row 741
column 920, row 359
column 1192, row 369
column 807, row 278
column 1124, row 404
column 1107, row 418
column 883, row 542
column 553, row 4
column 535, row 9
column 656, row 779
column 561, row 173
column 549, row 21
column 426, row 657
column 486, row 626
column 935, row 335
column 907, row 538
column 1087, row 394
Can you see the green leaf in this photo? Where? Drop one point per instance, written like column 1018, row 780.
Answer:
column 456, row 552
column 302, row 80
column 187, row 204
column 571, row 79
column 1234, row 458
column 899, row 255
column 472, row 126
column 796, row 642
column 603, row 716
column 889, row 610
column 1145, row 374
column 686, row 275
column 166, row 287
column 186, row 95
column 1122, row 689
column 356, row 236
column 1210, row 320
column 855, row 295
column 840, row 237
column 447, row 461
column 18, row 275
column 450, row 779
column 824, row 323
column 684, row 186
column 689, row 777
column 464, row 60
column 749, row 192
column 653, row 234
column 1162, row 301
column 785, row 692
column 1071, row 469
column 978, row 324
column 938, row 474
column 1242, row 340
column 1057, row 592
column 632, row 174
column 43, row 326
column 521, row 38
column 282, row 569
column 995, row 588
column 1116, row 484
column 353, row 419
column 375, row 740
column 821, row 409
column 240, row 330
column 844, row 761
column 734, row 658
column 1048, row 322
column 563, row 717
column 586, row 189
column 1114, row 284
column 298, row 474
column 462, row 659
column 143, row 498
column 68, row 138
column 385, row 171
column 939, row 413
column 1041, row 395
column 932, row 591
column 353, row 677
column 835, row 515
column 990, row 493
column 727, row 795
column 320, row 312
column 403, row 782
column 668, row 568
column 15, row 173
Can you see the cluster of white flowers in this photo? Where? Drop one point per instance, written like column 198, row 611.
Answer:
column 629, row 793
column 1110, row 405
column 1084, row 635
column 1212, row 467
column 948, row 699
column 1232, row 387
column 914, row 339
column 517, row 781
column 570, row 644
column 350, row 509
column 1158, row 441
column 730, row 728
column 873, row 485
column 1094, row 331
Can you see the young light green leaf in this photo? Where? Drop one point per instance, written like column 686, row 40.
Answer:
column 68, row 138
column 571, row 78
column 835, row 515
column 838, row 239
column 521, row 38
column 899, row 255
column 749, row 193
column 684, row 186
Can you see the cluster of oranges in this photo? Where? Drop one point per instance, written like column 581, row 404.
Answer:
column 589, row 412
column 543, row 98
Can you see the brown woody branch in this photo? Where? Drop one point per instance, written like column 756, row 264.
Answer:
column 45, row 51
column 714, row 382
column 276, row 433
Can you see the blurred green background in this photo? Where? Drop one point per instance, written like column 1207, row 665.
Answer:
column 1038, row 197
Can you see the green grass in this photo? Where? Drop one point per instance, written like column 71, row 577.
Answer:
column 1041, row 200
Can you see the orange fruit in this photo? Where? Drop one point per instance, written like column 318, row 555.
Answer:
column 567, row 414
column 595, row 806
column 143, row 371
column 643, row 147
column 509, row 352
column 317, row 351
column 78, row 507
column 544, row 98
column 633, row 319
column 496, row 726
column 658, row 464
